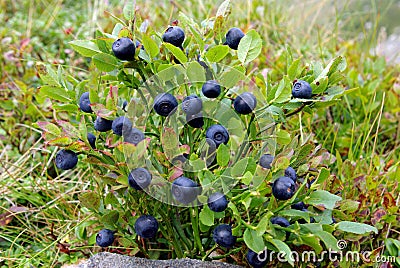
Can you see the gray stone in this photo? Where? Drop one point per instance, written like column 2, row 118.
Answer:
column 111, row 260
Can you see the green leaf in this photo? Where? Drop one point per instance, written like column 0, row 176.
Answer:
column 283, row 137
column 105, row 62
column 283, row 248
column 224, row 9
column 243, row 165
column 110, row 218
column 129, row 11
column 206, row 216
column 254, row 241
column 312, row 241
column 293, row 69
column 263, row 224
column 322, row 176
column 55, row 93
column 223, row 155
column 249, row 47
column 329, row 240
column 177, row 52
column 323, row 83
column 355, row 227
column 231, row 77
column 90, row 200
column 85, row 48
column 217, row 53
column 150, row 46
column 111, row 199
column 195, row 72
column 322, row 198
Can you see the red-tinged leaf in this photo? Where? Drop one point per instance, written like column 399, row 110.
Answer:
column 388, row 200
column 77, row 146
column 170, row 142
column 112, row 98
column 177, row 172
column 49, row 128
column 377, row 216
column 102, row 111
column 60, row 141
column 68, row 129
column 185, row 149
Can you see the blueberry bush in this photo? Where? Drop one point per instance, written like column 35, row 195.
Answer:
column 156, row 185
column 191, row 147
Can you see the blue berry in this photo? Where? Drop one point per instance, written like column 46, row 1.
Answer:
column 92, row 140
column 280, row 221
column 124, row 49
column 165, row 104
column 256, row 260
column 291, row 173
column 222, row 235
column 134, row 136
column 66, row 159
column 105, row 238
column 283, row 188
column 184, row 190
column 102, row 124
column 245, row 103
column 139, row 178
column 218, row 134
column 302, row 90
column 266, row 161
column 211, row 89
column 84, row 103
column 146, row 226
column 192, row 105
column 174, row 35
column 121, row 125
column 217, row 202
column 233, row 37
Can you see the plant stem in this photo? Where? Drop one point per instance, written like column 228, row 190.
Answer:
column 195, row 225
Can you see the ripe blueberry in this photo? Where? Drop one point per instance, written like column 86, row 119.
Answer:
column 164, row 104
column 92, row 140
column 102, row 124
column 105, row 238
column 256, row 260
column 139, row 178
column 266, row 161
column 134, row 136
column 174, row 35
column 121, row 125
column 124, row 104
column 84, row 103
column 222, row 235
column 217, row 202
column 299, row 206
column 291, row 173
column 218, row 134
column 283, row 188
column 245, row 103
column 66, row 159
column 211, row 89
column 146, row 226
column 192, row 105
column 195, row 120
column 184, row 190
column 233, row 37
column 302, row 90
column 280, row 221
column 124, row 49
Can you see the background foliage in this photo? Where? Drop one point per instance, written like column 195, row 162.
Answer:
column 42, row 222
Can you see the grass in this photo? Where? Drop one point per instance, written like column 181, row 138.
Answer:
column 362, row 133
